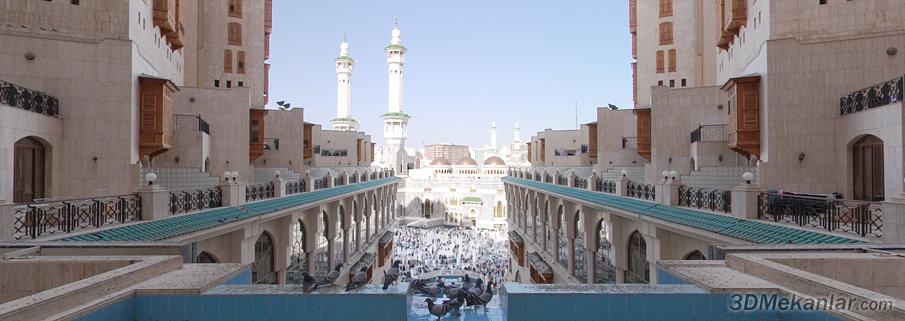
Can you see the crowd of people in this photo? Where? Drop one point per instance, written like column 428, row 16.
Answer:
column 452, row 248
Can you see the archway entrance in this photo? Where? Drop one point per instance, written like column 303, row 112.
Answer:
column 206, row 257
column 262, row 270
column 604, row 269
column 638, row 269
column 28, row 170
column 867, row 175
column 694, row 256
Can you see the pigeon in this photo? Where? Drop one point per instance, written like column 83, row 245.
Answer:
column 466, row 282
column 390, row 276
column 455, row 293
column 330, row 277
column 474, row 294
column 439, row 310
column 308, row 283
column 358, row 280
column 485, row 297
column 420, row 285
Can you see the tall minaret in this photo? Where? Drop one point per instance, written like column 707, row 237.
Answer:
column 395, row 120
column 344, row 63
column 517, row 134
column 493, row 135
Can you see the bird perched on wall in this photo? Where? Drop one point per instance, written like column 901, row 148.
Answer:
column 390, row 276
column 421, row 286
column 455, row 293
column 482, row 299
column 308, row 282
column 474, row 293
column 467, row 282
column 331, row 277
column 439, row 310
column 358, row 280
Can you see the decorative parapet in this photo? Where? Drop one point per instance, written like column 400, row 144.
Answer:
column 882, row 94
column 31, row 100
column 33, row 220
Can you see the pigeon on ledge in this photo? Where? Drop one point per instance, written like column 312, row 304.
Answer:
column 358, row 280
column 390, row 276
column 439, row 310
column 308, row 283
column 331, row 277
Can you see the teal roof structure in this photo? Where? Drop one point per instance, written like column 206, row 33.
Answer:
column 743, row 229
column 174, row 226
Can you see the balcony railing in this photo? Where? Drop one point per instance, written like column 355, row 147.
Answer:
column 878, row 95
column 60, row 217
column 641, row 191
column 581, row 183
column 257, row 192
column 835, row 215
column 709, row 133
column 338, row 181
column 320, row 183
column 191, row 122
column 629, row 142
column 190, row 201
column 27, row 99
column 605, row 186
column 702, row 198
column 295, row 187
column 562, row 180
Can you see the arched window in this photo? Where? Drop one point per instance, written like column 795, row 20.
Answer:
column 321, row 256
column 372, row 219
column 299, row 259
column 638, row 269
column 338, row 247
column 562, row 255
column 29, row 167
column 206, row 257
column 672, row 60
column 604, row 270
column 661, row 62
column 694, row 256
column 353, row 239
column 666, row 33
column 580, row 256
column 867, row 175
column 498, row 211
column 262, row 270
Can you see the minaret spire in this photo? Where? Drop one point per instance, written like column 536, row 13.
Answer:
column 395, row 120
column 344, row 63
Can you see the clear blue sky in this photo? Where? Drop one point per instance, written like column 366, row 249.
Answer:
column 469, row 62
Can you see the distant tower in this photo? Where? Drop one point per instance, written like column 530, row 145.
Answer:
column 517, row 134
column 344, row 63
column 395, row 121
column 493, row 135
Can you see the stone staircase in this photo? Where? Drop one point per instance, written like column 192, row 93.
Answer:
column 181, row 179
column 265, row 174
column 719, row 177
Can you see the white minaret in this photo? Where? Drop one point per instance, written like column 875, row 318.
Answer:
column 344, row 63
column 517, row 134
column 395, row 121
column 493, row 135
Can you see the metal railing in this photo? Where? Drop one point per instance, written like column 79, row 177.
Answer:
column 836, row 215
column 605, row 186
column 338, row 181
column 295, row 187
column 353, row 179
column 320, row 183
column 47, row 218
column 189, row 201
column 641, row 191
column 190, row 122
column 257, row 192
column 878, row 95
column 562, row 180
column 581, row 183
column 703, row 198
column 629, row 142
column 709, row 133
column 27, row 99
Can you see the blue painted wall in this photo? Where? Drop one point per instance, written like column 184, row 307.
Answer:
column 664, row 277
column 242, row 278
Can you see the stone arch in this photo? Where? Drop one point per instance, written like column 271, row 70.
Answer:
column 262, row 270
column 637, row 267
column 355, row 224
column 206, row 257
column 321, row 253
column 694, row 256
column 867, row 168
column 299, row 248
column 579, row 252
column 31, row 169
column 604, row 268
column 545, row 232
column 339, row 239
column 562, row 251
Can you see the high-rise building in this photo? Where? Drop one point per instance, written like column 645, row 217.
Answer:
column 344, row 63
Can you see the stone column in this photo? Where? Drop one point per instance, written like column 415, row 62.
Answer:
column 622, row 186
column 155, row 202
column 668, row 192
column 7, row 222
column 592, row 265
column 233, row 193
column 571, row 180
column 592, row 181
column 744, row 201
column 653, row 255
column 330, row 181
column 346, row 247
column 279, row 186
column 333, row 215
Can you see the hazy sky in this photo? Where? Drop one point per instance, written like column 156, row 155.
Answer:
column 469, row 62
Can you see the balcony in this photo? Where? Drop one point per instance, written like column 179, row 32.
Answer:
column 191, row 122
column 709, row 133
column 31, row 100
column 743, row 130
column 643, row 119
column 165, row 15
column 256, row 133
column 155, row 134
column 732, row 15
column 882, row 94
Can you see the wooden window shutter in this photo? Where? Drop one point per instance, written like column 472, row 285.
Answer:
column 240, row 62
column 235, row 8
column 228, row 60
column 665, row 8
column 234, row 34
column 672, row 60
column 666, row 33
column 660, row 62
